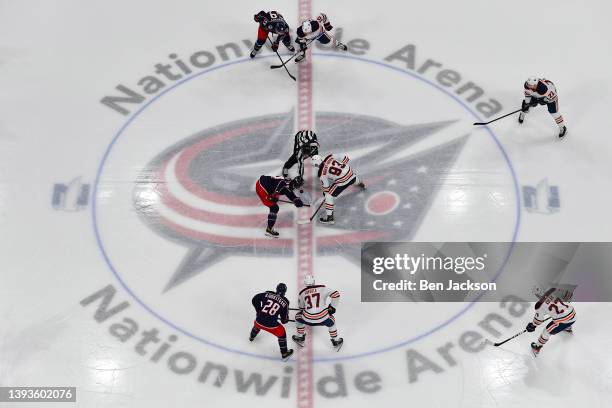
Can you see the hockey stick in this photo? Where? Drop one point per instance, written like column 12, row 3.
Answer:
column 494, row 120
column 303, row 222
column 281, row 58
column 291, row 202
column 294, row 55
column 507, row 340
column 516, row 335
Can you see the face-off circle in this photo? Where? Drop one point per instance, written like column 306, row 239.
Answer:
column 195, row 198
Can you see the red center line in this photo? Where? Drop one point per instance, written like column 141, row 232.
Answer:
column 304, row 241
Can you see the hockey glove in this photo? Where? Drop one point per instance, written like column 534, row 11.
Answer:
column 259, row 16
column 298, row 203
column 284, row 320
column 331, row 310
column 524, row 107
column 530, row 327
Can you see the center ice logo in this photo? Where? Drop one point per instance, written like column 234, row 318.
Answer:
column 199, row 192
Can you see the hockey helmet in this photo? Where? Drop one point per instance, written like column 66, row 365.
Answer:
column 322, row 18
column 309, row 280
column 307, row 27
column 296, row 183
column 316, row 160
column 281, row 289
column 531, row 82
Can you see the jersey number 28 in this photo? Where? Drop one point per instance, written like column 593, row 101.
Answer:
column 271, row 308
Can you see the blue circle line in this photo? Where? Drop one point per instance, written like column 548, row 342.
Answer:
column 322, row 359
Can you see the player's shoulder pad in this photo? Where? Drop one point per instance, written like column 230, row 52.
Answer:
column 310, row 287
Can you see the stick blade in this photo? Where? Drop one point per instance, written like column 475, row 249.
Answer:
column 480, row 123
column 303, row 222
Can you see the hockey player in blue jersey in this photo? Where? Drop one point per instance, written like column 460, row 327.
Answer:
column 269, row 189
column 270, row 308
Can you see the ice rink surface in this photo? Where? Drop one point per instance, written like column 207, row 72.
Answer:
column 132, row 240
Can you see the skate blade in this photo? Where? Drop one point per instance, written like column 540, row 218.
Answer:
column 271, row 236
column 301, row 344
column 337, row 348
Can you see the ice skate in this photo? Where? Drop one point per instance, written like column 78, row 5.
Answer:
column 562, row 132
column 299, row 340
column 535, row 349
column 272, row 233
column 337, row 343
column 285, row 356
column 328, row 219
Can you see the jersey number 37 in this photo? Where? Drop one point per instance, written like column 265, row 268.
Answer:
column 309, row 300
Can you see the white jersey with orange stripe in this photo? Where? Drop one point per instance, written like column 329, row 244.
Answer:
column 335, row 172
column 314, row 301
column 553, row 307
column 544, row 90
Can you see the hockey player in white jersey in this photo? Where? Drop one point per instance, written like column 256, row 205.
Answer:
column 317, row 304
column 336, row 176
column 540, row 91
column 561, row 313
column 316, row 29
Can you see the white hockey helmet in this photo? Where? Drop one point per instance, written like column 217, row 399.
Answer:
column 531, row 82
column 316, row 160
column 309, row 280
column 307, row 27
